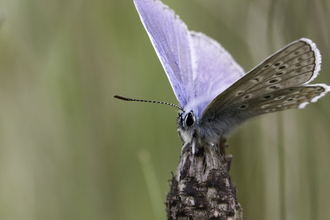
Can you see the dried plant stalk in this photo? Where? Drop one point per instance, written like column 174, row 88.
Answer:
column 202, row 188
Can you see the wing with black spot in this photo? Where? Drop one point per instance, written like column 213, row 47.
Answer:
column 278, row 83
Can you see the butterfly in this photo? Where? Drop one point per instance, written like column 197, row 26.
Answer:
column 214, row 93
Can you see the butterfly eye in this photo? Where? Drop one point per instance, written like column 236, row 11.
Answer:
column 190, row 119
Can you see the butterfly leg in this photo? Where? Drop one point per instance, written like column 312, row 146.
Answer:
column 183, row 143
column 193, row 146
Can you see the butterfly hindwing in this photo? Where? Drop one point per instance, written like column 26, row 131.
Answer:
column 296, row 64
column 289, row 98
column 214, row 70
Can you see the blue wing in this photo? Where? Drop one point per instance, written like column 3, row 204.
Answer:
column 197, row 67
column 214, row 70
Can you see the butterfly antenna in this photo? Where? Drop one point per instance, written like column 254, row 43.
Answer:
column 140, row 100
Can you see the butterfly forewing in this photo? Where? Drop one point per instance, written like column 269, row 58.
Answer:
column 169, row 36
column 197, row 67
column 294, row 65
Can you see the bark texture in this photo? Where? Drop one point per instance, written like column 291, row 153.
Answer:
column 202, row 188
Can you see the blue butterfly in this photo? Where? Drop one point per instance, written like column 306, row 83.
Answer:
column 214, row 93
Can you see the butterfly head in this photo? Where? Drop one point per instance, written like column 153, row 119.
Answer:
column 186, row 120
column 187, row 125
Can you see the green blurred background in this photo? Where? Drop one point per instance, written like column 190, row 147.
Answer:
column 69, row 150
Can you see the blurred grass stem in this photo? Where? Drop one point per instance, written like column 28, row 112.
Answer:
column 152, row 184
